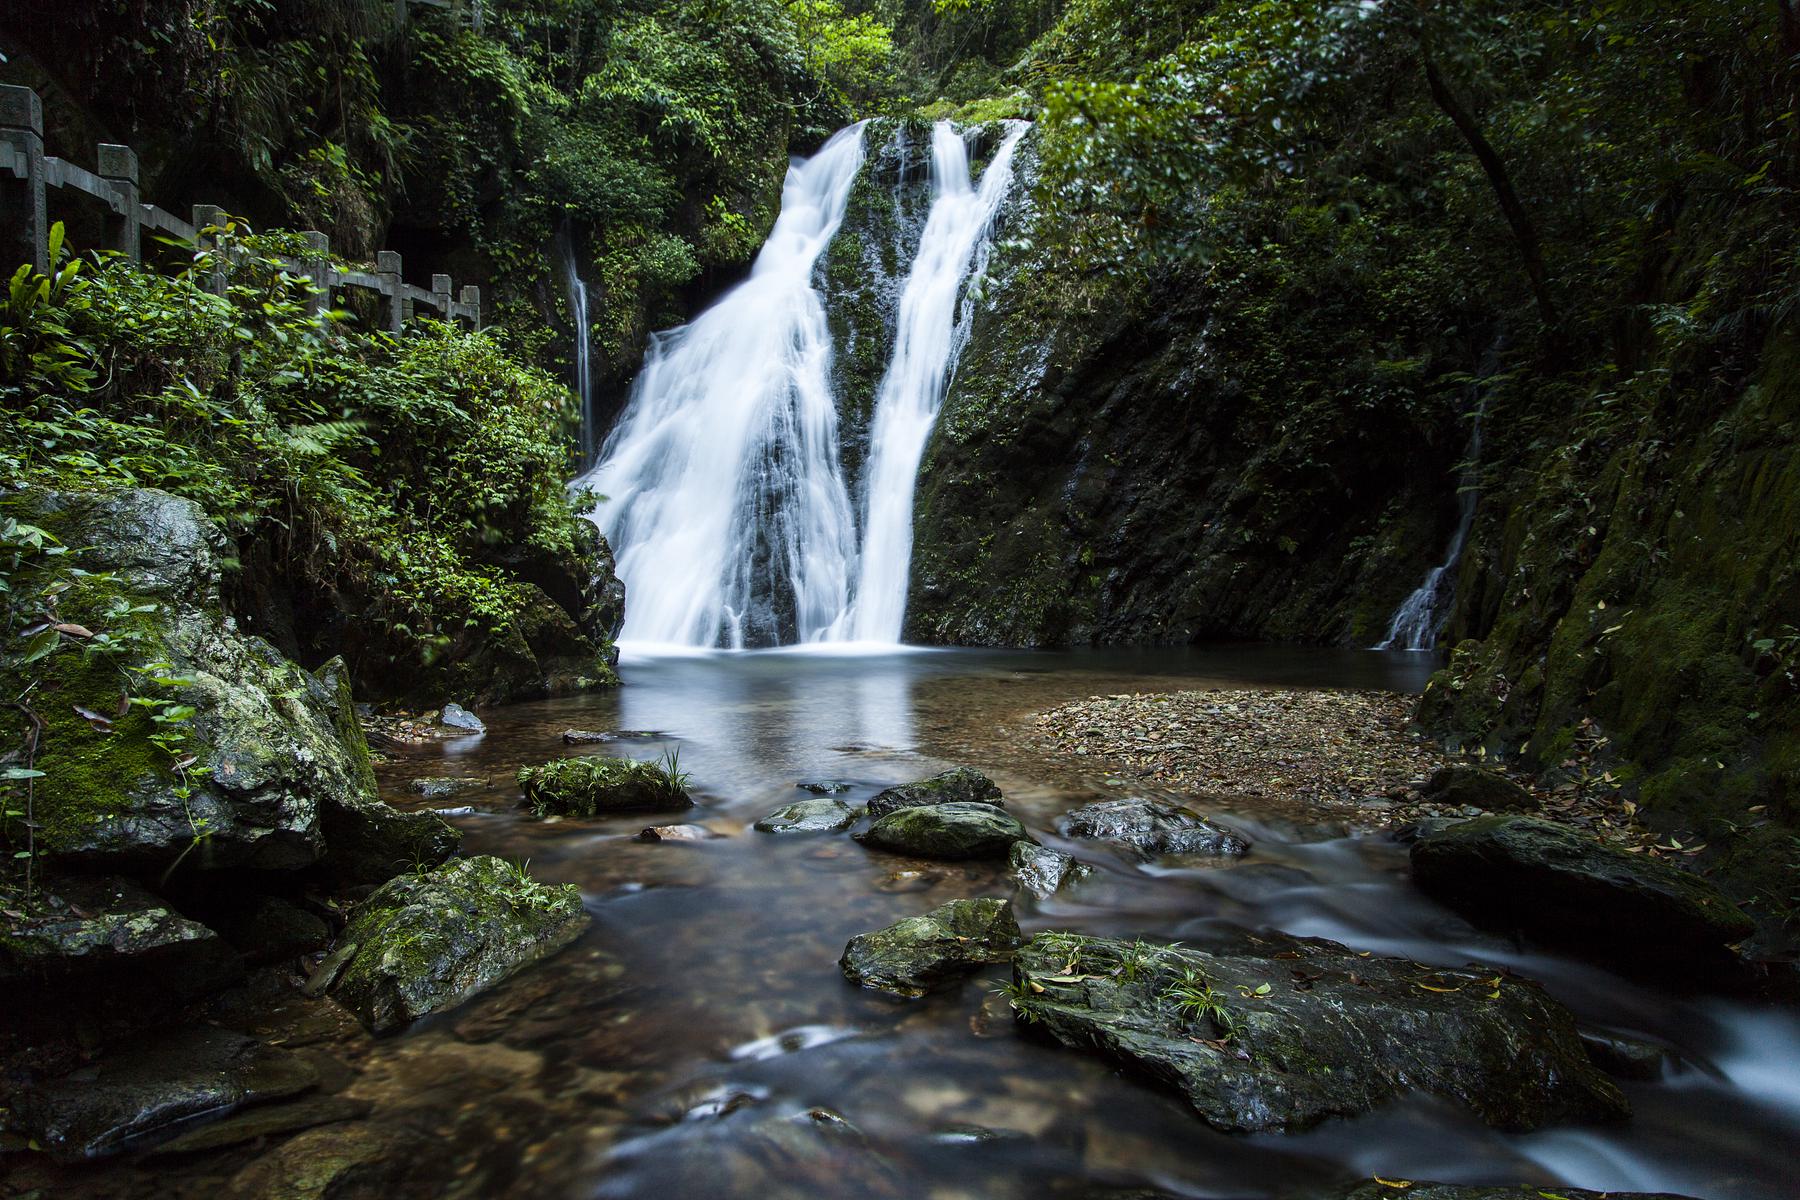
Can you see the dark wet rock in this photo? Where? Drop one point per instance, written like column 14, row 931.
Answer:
column 1043, row 871
column 455, row 716
column 1520, row 873
column 1272, row 1032
column 1147, row 828
column 428, row 942
column 1374, row 1189
column 155, row 1089
column 676, row 833
column 826, row 787
column 1624, row 1057
column 583, row 737
column 269, row 929
column 93, row 939
column 345, row 1161
column 946, row 831
column 809, row 816
column 443, row 786
column 281, row 752
column 960, row 785
column 371, row 842
column 330, row 967
column 593, row 787
column 267, row 1121
column 912, row 956
column 975, row 1135
column 1477, row 787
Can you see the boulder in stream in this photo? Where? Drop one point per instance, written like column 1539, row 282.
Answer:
column 1042, row 871
column 912, row 956
column 1554, row 883
column 946, row 831
column 809, row 816
column 427, row 942
column 596, row 787
column 1146, row 828
column 960, row 785
column 1278, row 1033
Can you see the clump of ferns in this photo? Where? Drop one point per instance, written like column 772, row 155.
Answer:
column 1021, row 997
column 1194, row 997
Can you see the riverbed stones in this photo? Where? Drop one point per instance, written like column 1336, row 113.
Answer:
column 819, row 815
column 1146, row 828
column 960, row 785
column 428, row 942
column 1272, row 1032
column 1460, row 787
column 952, row 831
column 1521, row 873
column 595, row 787
column 156, row 1089
column 917, row 954
column 1042, row 871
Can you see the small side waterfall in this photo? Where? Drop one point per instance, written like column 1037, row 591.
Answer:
column 584, row 376
column 925, row 352
column 723, row 489
column 724, row 499
column 1420, row 618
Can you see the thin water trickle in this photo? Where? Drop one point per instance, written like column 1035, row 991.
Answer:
column 582, row 345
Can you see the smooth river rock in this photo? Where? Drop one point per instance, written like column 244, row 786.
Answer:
column 912, row 956
column 946, row 831
column 1146, row 828
column 428, row 942
column 960, row 785
column 1521, row 873
column 1278, row 1033
column 1042, row 871
column 809, row 816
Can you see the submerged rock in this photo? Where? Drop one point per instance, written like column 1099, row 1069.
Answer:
column 270, row 1120
column 1146, row 828
column 826, row 787
column 809, row 816
column 912, row 956
column 960, row 785
column 428, row 942
column 158, row 1089
column 440, row 787
column 1042, row 871
column 1274, row 1032
column 1565, row 887
column 593, row 787
column 946, row 831
column 583, row 737
column 1477, row 787
column 675, row 833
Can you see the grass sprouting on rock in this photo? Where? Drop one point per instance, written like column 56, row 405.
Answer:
column 598, row 786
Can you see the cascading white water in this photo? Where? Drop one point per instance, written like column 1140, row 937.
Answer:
column 724, row 499
column 578, row 312
column 1421, row 616
column 927, row 341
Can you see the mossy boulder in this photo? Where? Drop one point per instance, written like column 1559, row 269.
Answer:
column 821, row 815
column 1270, row 1032
column 912, row 956
column 1146, row 828
column 427, row 942
column 1521, row 873
column 266, row 762
column 946, row 831
column 1477, row 787
column 595, row 787
column 1042, row 871
column 960, row 785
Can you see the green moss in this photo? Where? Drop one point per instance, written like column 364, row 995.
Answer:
column 591, row 787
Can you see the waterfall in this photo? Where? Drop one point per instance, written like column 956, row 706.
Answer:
column 723, row 496
column 578, row 313
column 723, row 490
column 927, row 341
column 1420, row 618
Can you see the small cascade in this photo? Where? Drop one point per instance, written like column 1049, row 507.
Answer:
column 927, row 342
column 724, row 499
column 1421, row 617
column 578, row 313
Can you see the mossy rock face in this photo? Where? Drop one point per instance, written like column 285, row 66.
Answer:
column 822, row 815
column 959, row 785
column 428, row 942
column 1277, row 1033
column 1146, row 828
column 912, row 956
column 595, row 787
column 1562, row 886
column 278, row 763
column 946, row 831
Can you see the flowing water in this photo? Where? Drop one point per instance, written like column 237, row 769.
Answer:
column 694, row 1039
column 1420, row 618
column 582, row 341
column 723, row 490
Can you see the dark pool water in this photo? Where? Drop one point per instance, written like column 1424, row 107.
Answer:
column 699, row 1041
